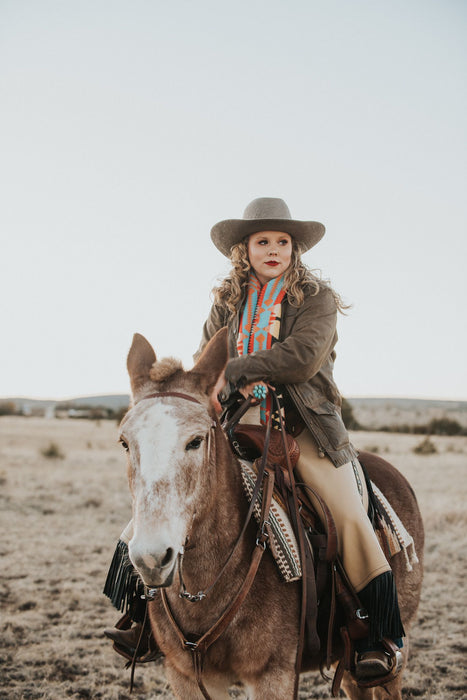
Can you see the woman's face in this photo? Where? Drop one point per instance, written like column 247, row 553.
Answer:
column 269, row 253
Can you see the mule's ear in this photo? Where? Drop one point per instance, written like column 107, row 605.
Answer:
column 139, row 362
column 212, row 361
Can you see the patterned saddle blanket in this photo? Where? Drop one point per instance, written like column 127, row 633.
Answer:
column 391, row 533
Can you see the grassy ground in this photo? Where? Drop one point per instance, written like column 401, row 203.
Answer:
column 61, row 516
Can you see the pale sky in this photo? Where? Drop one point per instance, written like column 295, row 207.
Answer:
column 129, row 128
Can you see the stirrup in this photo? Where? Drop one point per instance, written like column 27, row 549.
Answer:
column 394, row 655
column 347, row 663
column 143, row 659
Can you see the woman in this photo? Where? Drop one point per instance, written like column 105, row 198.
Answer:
column 282, row 331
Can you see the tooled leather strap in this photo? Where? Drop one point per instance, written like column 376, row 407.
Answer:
column 308, row 607
column 329, row 552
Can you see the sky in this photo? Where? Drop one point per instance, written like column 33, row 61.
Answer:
column 129, row 128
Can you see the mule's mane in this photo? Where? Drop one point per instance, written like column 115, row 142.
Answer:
column 164, row 369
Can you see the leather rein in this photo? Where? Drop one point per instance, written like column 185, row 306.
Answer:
column 265, row 479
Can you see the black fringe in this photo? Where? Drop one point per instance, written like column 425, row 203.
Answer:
column 379, row 598
column 123, row 585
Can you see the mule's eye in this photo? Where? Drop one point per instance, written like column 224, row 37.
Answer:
column 194, row 444
column 124, row 445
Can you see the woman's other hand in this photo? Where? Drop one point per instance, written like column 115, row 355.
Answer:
column 216, row 391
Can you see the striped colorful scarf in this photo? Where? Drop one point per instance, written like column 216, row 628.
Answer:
column 260, row 322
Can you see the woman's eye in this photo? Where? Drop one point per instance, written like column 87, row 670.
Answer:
column 194, row 444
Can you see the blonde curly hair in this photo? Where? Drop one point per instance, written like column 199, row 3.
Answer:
column 231, row 290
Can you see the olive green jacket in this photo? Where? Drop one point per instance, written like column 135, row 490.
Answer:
column 302, row 361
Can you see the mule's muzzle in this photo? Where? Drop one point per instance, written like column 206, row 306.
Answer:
column 156, row 570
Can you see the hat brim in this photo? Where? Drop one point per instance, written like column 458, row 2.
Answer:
column 226, row 234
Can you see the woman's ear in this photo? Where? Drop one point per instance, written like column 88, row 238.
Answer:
column 212, row 362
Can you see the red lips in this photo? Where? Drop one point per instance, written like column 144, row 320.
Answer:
column 272, row 263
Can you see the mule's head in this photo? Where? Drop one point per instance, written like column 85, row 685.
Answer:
column 167, row 442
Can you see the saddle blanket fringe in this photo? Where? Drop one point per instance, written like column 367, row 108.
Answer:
column 392, row 534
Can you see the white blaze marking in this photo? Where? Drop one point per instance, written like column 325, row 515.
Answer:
column 158, row 440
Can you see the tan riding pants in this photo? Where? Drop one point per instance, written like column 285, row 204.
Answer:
column 344, row 491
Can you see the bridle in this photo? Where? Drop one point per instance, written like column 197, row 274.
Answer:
column 150, row 592
column 264, row 482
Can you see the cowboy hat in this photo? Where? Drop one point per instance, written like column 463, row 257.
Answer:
column 265, row 214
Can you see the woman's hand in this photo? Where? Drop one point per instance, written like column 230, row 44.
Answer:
column 247, row 390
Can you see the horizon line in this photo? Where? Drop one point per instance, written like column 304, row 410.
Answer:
column 348, row 397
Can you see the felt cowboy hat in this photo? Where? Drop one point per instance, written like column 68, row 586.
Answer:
column 265, row 214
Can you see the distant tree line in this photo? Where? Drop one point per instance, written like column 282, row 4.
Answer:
column 436, row 426
column 9, row 408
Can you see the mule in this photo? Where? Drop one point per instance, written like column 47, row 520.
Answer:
column 188, row 497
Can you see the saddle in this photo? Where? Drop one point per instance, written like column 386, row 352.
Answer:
column 249, row 440
column 331, row 601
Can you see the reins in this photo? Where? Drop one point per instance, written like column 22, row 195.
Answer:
column 294, row 512
column 199, row 647
column 194, row 598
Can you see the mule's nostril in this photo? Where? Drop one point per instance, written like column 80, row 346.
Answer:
column 168, row 557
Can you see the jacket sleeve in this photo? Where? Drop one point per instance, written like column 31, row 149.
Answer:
column 299, row 356
column 215, row 321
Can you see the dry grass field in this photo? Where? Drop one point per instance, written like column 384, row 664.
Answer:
column 60, row 518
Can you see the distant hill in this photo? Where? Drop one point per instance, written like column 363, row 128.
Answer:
column 113, row 401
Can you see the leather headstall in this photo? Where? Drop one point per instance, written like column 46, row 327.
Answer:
column 176, row 394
